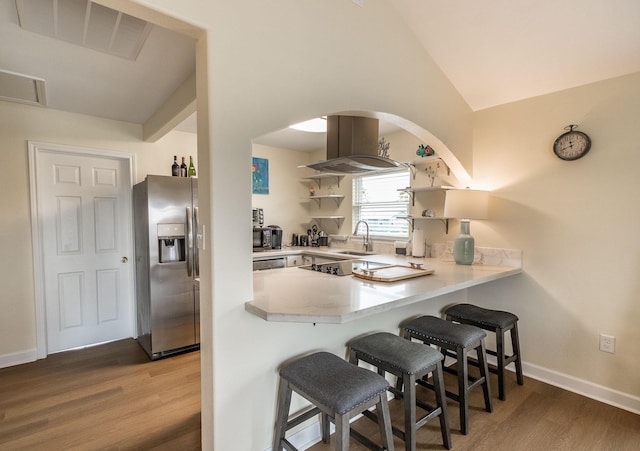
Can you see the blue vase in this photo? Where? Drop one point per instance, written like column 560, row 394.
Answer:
column 463, row 245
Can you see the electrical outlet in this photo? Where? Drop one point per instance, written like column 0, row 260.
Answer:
column 607, row 343
column 360, row 3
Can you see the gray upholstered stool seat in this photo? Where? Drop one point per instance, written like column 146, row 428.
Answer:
column 499, row 322
column 410, row 362
column 338, row 390
column 459, row 339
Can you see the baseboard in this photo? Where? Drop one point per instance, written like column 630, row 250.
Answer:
column 306, row 437
column 18, row 358
column 600, row 393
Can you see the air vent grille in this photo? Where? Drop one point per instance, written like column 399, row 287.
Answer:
column 85, row 23
column 21, row 88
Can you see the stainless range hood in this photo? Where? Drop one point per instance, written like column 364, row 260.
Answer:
column 352, row 147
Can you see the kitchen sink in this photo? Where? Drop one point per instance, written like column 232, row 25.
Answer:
column 357, row 253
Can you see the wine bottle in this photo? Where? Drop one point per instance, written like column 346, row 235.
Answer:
column 183, row 168
column 175, row 168
column 192, row 168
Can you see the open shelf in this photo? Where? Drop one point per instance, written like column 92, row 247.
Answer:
column 411, row 220
column 337, row 197
column 426, row 160
column 318, row 178
column 337, row 219
column 412, row 191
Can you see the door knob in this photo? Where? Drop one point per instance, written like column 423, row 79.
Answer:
column 124, row 259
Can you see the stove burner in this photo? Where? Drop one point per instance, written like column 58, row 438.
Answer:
column 342, row 267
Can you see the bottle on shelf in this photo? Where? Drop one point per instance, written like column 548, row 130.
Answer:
column 192, row 168
column 175, row 168
column 183, row 168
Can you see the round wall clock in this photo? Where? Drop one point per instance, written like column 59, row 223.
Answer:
column 572, row 144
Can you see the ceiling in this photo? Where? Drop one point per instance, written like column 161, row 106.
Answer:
column 493, row 52
column 87, row 81
column 499, row 51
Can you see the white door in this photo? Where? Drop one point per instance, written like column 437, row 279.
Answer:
column 84, row 213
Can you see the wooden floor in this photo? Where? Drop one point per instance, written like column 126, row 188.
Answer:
column 534, row 417
column 112, row 397
column 104, row 397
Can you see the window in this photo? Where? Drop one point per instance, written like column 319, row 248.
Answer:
column 376, row 199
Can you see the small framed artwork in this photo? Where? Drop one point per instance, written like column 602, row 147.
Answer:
column 260, row 176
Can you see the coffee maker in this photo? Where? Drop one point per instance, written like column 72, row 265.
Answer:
column 276, row 236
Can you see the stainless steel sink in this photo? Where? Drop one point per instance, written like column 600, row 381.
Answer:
column 356, row 253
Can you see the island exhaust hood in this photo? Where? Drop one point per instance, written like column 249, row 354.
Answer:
column 352, row 147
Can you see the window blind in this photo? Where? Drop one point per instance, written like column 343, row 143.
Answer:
column 376, row 199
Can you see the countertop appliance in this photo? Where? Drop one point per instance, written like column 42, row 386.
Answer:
column 168, row 299
column 343, row 267
column 276, row 236
column 257, row 215
column 262, row 239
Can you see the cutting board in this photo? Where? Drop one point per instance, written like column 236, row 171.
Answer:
column 392, row 273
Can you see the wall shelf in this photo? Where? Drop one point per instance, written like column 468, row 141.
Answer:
column 337, row 197
column 412, row 191
column 411, row 220
column 426, row 160
column 337, row 219
column 318, row 178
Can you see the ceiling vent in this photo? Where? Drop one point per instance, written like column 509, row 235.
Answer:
column 21, row 88
column 85, row 23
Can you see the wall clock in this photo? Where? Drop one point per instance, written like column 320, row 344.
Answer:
column 572, row 144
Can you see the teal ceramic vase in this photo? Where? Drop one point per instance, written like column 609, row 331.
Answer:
column 463, row 245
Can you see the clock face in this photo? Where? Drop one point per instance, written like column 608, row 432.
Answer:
column 571, row 145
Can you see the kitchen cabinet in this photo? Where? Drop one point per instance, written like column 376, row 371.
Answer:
column 298, row 260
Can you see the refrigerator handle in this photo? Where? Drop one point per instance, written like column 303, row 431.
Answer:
column 189, row 243
column 196, row 251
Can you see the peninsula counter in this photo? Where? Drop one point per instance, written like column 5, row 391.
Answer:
column 297, row 295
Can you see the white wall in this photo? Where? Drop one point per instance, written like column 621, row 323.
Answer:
column 278, row 65
column 284, row 205
column 577, row 224
column 18, row 125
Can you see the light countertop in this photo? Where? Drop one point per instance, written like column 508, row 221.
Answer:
column 297, row 295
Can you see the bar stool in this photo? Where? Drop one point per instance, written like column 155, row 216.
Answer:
column 338, row 390
column 498, row 322
column 455, row 340
column 410, row 362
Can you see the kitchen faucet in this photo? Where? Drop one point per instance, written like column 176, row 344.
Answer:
column 366, row 238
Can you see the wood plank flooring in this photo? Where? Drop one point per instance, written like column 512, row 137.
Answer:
column 104, row 397
column 112, row 397
column 534, row 417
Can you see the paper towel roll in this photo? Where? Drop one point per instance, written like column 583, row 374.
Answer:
column 417, row 243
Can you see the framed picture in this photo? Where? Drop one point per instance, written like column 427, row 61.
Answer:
column 260, row 176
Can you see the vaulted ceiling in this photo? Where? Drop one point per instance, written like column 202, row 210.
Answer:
column 493, row 51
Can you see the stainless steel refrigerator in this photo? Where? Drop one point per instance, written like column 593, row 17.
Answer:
column 167, row 271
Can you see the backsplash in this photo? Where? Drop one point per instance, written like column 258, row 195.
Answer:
column 443, row 251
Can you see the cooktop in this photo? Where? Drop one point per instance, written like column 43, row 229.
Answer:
column 342, row 267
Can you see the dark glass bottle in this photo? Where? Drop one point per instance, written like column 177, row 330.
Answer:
column 175, row 168
column 183, row 168
column 192, row 168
